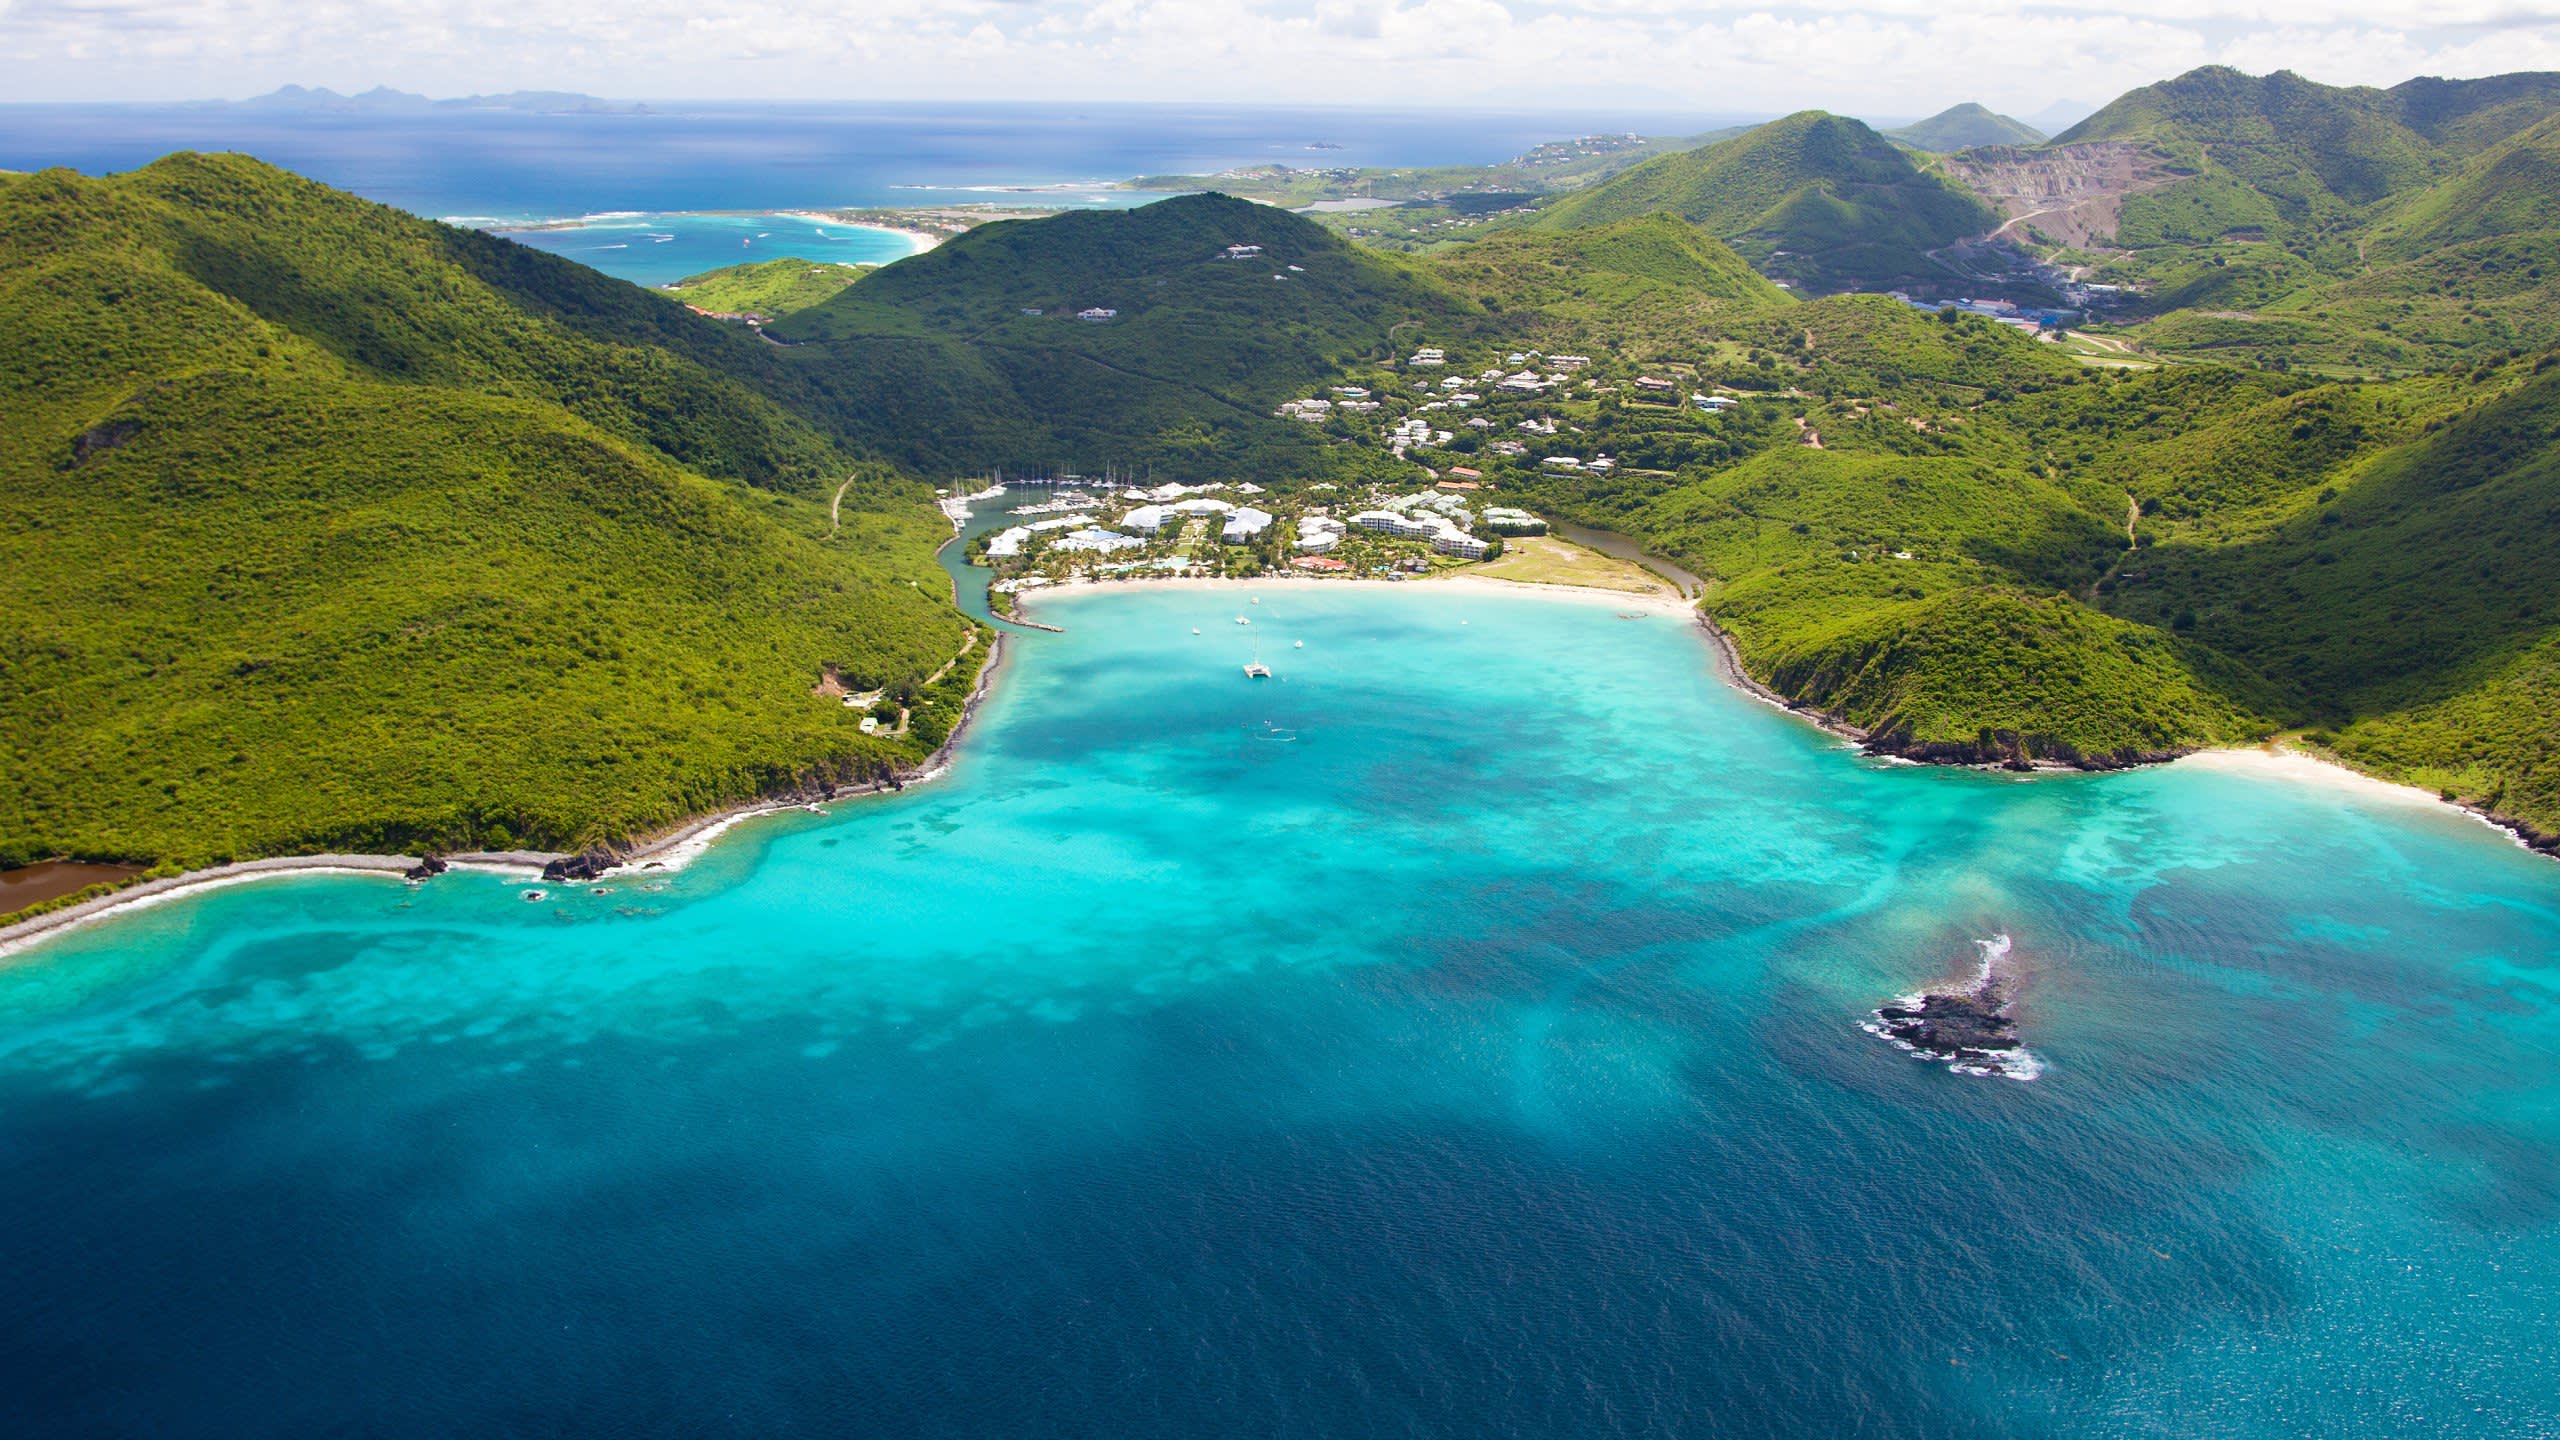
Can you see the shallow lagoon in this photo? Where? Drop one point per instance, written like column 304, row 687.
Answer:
column 1456, row 1035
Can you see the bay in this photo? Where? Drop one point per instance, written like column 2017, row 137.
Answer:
column 1455, row 1035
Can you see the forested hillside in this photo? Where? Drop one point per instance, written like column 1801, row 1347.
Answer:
column 980, row 354
column 314, row 538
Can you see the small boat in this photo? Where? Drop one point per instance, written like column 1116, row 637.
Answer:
column 1256, row 600
column 1256, row 670
column 1242, row 621
column 1195, row 629
column 1300, row 645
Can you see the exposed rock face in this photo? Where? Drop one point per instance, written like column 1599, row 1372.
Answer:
column 587, row 864
column 426, row 869
column 99, row 439
column 1969, row 1030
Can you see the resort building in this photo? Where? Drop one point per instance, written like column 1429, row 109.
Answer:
column 1504, row 520
column 1100, row 541
column 1097, row 314
column 1318, row 533
column 1244, row 524
column 1430, row 355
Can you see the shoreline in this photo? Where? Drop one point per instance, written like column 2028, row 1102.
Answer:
column 679, row 845
column 672, row 848
column 1651, row 602
column 917, row 241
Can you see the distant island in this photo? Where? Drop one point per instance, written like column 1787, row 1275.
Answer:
column 383, row 100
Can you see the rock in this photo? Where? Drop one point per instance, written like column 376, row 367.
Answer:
column 426, row 869
column 587, row 864
column 1969, row 1030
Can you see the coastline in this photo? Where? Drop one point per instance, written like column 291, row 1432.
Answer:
column 680, row 844
column 1659, row 602
column 670, row 849
column 918, row 241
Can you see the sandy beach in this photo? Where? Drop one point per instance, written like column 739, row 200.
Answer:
column 1658, row 602
column 918, row 241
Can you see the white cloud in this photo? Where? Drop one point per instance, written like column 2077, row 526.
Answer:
column 1872, row 57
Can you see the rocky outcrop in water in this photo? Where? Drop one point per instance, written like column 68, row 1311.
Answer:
column 1971, row 1029
column 426, row 869
column 587, row 864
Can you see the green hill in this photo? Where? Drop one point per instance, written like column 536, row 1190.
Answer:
column 2287, row 158
column 1817, row 199
column 1963, row 127
column 324, row 527
column 972, row 355
column 770, row 288
column 1649, row 284
column 2513, row 188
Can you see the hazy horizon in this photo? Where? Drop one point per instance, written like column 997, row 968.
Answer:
column 1888, row 58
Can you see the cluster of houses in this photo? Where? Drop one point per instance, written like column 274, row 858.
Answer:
column 1444, row 521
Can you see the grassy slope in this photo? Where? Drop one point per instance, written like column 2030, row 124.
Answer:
column 1647, row 284
column 1849, row 208
column 1963, row 127
column 362, row 553
column 771, row 288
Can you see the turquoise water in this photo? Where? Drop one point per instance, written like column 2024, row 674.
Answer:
column 657, row 249
column 1456, row 1035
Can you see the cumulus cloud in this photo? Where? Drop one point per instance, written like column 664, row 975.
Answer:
column 1873, row 57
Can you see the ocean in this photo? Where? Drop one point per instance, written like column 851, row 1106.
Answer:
column 1458, row 1034
column 654, row 173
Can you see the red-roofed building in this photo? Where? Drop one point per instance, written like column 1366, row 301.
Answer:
column 1318, row 562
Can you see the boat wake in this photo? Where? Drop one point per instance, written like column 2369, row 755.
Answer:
column 1971, row 1030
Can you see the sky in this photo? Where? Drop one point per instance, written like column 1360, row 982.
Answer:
column 1877, row 58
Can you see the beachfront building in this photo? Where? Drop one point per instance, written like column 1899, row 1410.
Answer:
column 1243, row 524
column 1454, row 541
column 1145, row 520
column 1318, row 533
column 1319, row 564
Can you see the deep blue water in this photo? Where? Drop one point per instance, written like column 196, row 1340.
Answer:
column 1456, row 1036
